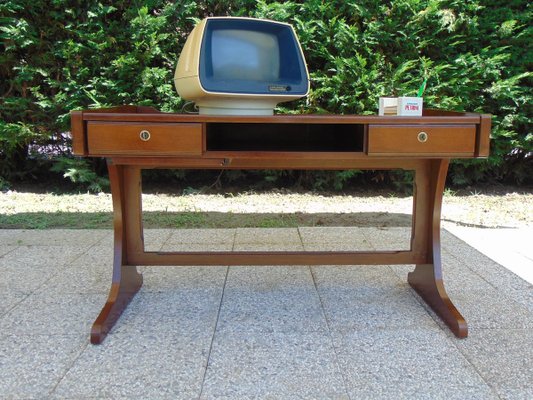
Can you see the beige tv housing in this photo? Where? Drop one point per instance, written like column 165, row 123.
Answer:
column 263, row 52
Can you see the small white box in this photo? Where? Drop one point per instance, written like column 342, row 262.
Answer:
column 401, row 106
column 410, row 106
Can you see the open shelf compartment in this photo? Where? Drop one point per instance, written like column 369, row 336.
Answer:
column 285, row 137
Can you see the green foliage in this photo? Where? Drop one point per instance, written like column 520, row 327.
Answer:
column 79, row 171
column 476, row 56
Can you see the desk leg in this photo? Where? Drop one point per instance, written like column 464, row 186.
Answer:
column 426, row 279
column 126, row 281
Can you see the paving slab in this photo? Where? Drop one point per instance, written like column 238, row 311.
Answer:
column 492, row 309
column 510, row 247
column 174, row 279
column 358, row 276
column 182, row 300
column 407, row 364
column 288, row 246
column 57, row 237
column 10, row 236
column 458, row 273
column 491, row 271
column 337, row 246
column 96, row 255
column 298, row 365
column 523, row 297
column 170, row 247
column 154, row 239
column 26, row 268
column 267, row 235
column 270, row 299
column 5, row 248
column 389, row 238
column 334, row 238
column 8, row 300
column 32, row 365
column 80, row 278
column 191, row 313
column 200, row 240
column 53, row 314
column 149, row 365
column 284, row 279
column 23, row 278
column 489, row 249
column 367, row 297
column 503, row 357
column 510, row 393
column 42, row 256
column 201, row 236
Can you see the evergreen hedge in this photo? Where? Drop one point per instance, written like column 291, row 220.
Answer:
column 61, row 55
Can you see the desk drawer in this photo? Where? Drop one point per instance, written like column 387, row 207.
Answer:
column 404, row 140
column 144, row 139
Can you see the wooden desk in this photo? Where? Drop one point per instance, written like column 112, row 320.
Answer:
column 135, row 138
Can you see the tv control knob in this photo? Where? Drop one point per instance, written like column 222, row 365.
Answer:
column 144, row 135
column 422, row 137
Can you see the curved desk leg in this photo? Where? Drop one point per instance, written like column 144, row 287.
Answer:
column 426, row 279
column 125, row 182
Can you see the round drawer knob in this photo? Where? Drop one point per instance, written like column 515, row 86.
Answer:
column 144, row 135
column 422, row 137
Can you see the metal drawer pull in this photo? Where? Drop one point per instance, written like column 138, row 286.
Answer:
column 144, row 135
column 422, row 137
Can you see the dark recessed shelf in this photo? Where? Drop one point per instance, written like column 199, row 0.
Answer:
column 284, row 137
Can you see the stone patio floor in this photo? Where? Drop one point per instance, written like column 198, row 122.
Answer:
column 278, row 332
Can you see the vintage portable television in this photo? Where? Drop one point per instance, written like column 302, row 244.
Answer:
column 241, row 66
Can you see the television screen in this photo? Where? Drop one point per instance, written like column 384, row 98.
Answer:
column 247, row 55
column 251, row 56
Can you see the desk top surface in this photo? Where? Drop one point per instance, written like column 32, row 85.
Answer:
column 119, row 131
column 149, row 114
